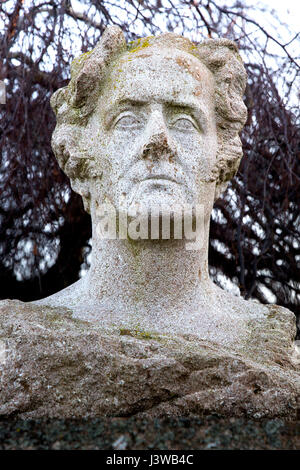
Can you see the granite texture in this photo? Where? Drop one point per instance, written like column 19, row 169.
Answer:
column 56, row 366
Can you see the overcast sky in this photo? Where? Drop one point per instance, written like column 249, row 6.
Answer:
column 289, row 9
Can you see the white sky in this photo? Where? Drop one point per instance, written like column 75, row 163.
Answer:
column 288, row 9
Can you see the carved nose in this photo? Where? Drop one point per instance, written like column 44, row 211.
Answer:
column 158, row 144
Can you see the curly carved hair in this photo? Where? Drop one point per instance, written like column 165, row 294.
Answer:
column 74, row 103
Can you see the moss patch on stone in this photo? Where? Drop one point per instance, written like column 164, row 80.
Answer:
column 140, row 44
column 78, row 62
column 137, row 333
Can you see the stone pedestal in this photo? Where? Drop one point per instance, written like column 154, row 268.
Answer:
column 56, row 366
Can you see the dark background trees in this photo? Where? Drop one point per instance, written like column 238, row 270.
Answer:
column 44, row 231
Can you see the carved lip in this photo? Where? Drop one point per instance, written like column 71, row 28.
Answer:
column 160, row 177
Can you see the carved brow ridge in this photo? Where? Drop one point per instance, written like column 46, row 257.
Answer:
column 190, row 108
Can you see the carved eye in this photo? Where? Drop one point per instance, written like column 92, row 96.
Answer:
column 184, row 124
column 127, row 122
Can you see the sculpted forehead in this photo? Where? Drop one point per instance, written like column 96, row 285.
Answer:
column 159, row 74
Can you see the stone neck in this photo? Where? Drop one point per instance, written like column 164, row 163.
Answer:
column 147, row 276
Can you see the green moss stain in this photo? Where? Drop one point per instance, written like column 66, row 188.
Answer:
column 137, row 333
column 78, row 62
column 140, row 44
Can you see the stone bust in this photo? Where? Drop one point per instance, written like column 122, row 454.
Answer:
column 146, row 332
column 157, row 120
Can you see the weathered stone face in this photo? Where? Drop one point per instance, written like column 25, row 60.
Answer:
column 165, row 61
column 153, row 132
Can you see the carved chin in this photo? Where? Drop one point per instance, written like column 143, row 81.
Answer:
column 157, row 192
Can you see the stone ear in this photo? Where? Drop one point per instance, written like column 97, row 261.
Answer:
column 58, row 98
column 221, row 57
